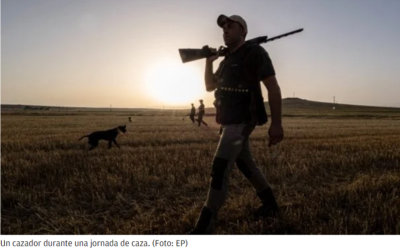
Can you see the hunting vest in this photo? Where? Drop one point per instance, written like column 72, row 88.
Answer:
column 238, row 97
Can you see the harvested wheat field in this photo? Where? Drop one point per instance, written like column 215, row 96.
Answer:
column 331, row 175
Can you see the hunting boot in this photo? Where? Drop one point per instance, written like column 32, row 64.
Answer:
column 205, row 223
column 269, row 206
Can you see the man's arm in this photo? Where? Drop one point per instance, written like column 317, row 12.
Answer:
column 274, row 99
column 209, row 76
column 265, row 72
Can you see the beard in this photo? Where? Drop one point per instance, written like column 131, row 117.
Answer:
column 232, row 42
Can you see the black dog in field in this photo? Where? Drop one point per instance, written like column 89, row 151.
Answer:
column 107, row 135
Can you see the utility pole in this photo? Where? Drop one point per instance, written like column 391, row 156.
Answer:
column 333, row 103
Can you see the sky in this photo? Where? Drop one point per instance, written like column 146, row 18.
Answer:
column 124, row 53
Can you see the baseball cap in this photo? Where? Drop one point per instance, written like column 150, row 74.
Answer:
column 222, row 19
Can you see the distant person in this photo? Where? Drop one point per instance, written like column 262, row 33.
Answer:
column 192, row 113
column 240, row 108
column 200, row 114
column 130, row 119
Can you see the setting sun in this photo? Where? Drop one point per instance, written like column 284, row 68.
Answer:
column 174, row 83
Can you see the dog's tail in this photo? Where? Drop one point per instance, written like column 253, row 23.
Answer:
column 83, row 137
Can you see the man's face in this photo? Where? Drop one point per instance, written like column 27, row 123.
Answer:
column 233, row 32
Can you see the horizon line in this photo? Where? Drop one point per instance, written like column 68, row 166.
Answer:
column 182, row 106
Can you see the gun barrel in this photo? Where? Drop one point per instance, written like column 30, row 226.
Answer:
column 285, row 34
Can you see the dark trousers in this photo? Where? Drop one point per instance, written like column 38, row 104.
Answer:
column 233, row 148
column 200, row 120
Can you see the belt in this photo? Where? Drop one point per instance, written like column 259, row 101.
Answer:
column 229, row 89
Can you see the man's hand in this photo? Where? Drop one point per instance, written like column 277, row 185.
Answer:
column 275, row 133
column 211, row 59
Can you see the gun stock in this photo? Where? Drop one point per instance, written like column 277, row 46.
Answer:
column 189, row 55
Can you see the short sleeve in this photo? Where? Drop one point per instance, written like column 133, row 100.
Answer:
column 260, row 63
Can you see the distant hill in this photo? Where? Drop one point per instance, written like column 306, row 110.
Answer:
column 297, row 103
column 302, row 107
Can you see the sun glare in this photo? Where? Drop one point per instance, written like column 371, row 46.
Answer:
column 174, row 83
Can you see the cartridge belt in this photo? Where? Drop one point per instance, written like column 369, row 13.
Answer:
column 233, row 90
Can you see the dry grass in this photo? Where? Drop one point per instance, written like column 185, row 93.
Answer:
column 331, row 176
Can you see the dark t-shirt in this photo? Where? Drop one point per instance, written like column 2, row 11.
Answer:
column 238, row 80
column 253, row 59
column 259, row 63
column 193, row 111
column 201, row 109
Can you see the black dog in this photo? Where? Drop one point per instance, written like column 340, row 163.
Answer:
column 108, row 135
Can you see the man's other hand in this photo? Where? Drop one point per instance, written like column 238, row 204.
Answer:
column 275, row 133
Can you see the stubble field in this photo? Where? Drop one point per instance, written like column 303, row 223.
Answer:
column 330, row 176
